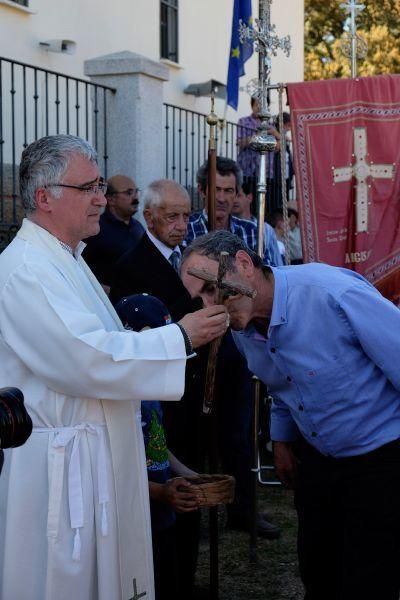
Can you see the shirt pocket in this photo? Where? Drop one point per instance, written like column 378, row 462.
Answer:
column 331, row 382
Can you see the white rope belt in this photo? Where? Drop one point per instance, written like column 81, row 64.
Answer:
column 63, row 436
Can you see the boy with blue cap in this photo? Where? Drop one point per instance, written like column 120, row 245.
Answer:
column 167, row 496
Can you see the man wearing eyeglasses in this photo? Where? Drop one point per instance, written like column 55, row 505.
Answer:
column 74, row 513
column 119, row 230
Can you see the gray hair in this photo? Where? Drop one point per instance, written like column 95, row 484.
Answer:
column 45, row 161
column 153, row 194
column 225, row 166
column 212, row 244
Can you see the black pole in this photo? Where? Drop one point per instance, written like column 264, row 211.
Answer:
column 213, row 510
column 254, row 471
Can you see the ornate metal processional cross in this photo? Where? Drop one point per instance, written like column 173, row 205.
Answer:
column 361, row 170
column 136, row 596
column 353, row 46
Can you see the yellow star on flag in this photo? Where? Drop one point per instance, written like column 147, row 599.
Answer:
column 236, row 52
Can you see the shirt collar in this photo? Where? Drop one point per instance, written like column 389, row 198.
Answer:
column 279, row 304
column 107, row 214
column 78, row 250
column 232, row 219
column 165, row 250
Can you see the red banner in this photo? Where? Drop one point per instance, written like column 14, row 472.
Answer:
column 346, row 142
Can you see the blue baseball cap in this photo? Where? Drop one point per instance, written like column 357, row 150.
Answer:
column 142, row 310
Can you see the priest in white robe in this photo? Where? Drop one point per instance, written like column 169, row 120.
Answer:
column 74, row 514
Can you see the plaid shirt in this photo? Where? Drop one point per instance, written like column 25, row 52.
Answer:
column 246, row 230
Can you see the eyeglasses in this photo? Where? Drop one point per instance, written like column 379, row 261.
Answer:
column 88, row 189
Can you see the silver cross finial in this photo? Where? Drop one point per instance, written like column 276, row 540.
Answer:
column 353, row 46
column 267, row 43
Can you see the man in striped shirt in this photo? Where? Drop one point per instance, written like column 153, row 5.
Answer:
column 229, row 179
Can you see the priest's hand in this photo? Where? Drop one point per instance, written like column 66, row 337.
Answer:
column 206, row 324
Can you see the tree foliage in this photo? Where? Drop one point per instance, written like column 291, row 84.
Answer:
column 378, row 24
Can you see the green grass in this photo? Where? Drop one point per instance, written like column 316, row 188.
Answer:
column 275, row 574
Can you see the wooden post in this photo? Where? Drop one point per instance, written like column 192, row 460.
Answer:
column 212, row 121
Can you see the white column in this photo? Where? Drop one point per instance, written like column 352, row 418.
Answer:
column 134, row 114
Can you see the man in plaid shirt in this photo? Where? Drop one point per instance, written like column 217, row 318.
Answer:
column 229, row 179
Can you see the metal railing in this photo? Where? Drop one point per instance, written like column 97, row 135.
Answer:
column 186, row 145
column 186, row 136
column 35, row 102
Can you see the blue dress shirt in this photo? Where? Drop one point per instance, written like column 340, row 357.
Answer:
column 331, row 360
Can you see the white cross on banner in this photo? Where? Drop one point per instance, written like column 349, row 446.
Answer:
column 361, row 170
column 347, row 154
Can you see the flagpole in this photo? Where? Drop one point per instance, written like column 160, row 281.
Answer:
column 240, row 50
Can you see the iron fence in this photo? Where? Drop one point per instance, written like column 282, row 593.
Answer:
column 35, row 102
column 186, row 146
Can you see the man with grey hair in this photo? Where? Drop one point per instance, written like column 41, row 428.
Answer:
column 74, row 519
column 310, row 333
column 153, row 264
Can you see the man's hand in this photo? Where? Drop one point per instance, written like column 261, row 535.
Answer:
column 206, row 324
column 285, row 463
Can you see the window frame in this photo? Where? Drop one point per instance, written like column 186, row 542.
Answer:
column 18, row 6
column 169, row 30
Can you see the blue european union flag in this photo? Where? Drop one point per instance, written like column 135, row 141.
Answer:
column 239, row 53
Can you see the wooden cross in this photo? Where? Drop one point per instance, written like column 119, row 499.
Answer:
column 223, row 289
column 228, row 288
column 136, row 596
column 361, row 170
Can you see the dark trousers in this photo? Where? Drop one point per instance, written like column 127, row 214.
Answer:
column 236, row 398
column 187, row 537
column 167, row 578
column 349, row 524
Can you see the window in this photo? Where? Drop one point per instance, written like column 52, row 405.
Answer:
column 169, row 29
column 22, row 2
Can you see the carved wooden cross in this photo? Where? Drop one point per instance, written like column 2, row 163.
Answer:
column 136, row 596
column 223, row 289
column 361, row 170
column 227, row 288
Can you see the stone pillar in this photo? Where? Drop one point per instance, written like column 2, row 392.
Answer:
column 134, row 114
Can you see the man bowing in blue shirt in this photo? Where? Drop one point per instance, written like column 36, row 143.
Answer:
column 327, row 345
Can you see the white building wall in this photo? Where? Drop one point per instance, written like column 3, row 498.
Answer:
column 101, row 27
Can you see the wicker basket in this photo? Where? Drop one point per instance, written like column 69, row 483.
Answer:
column 213, row 489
